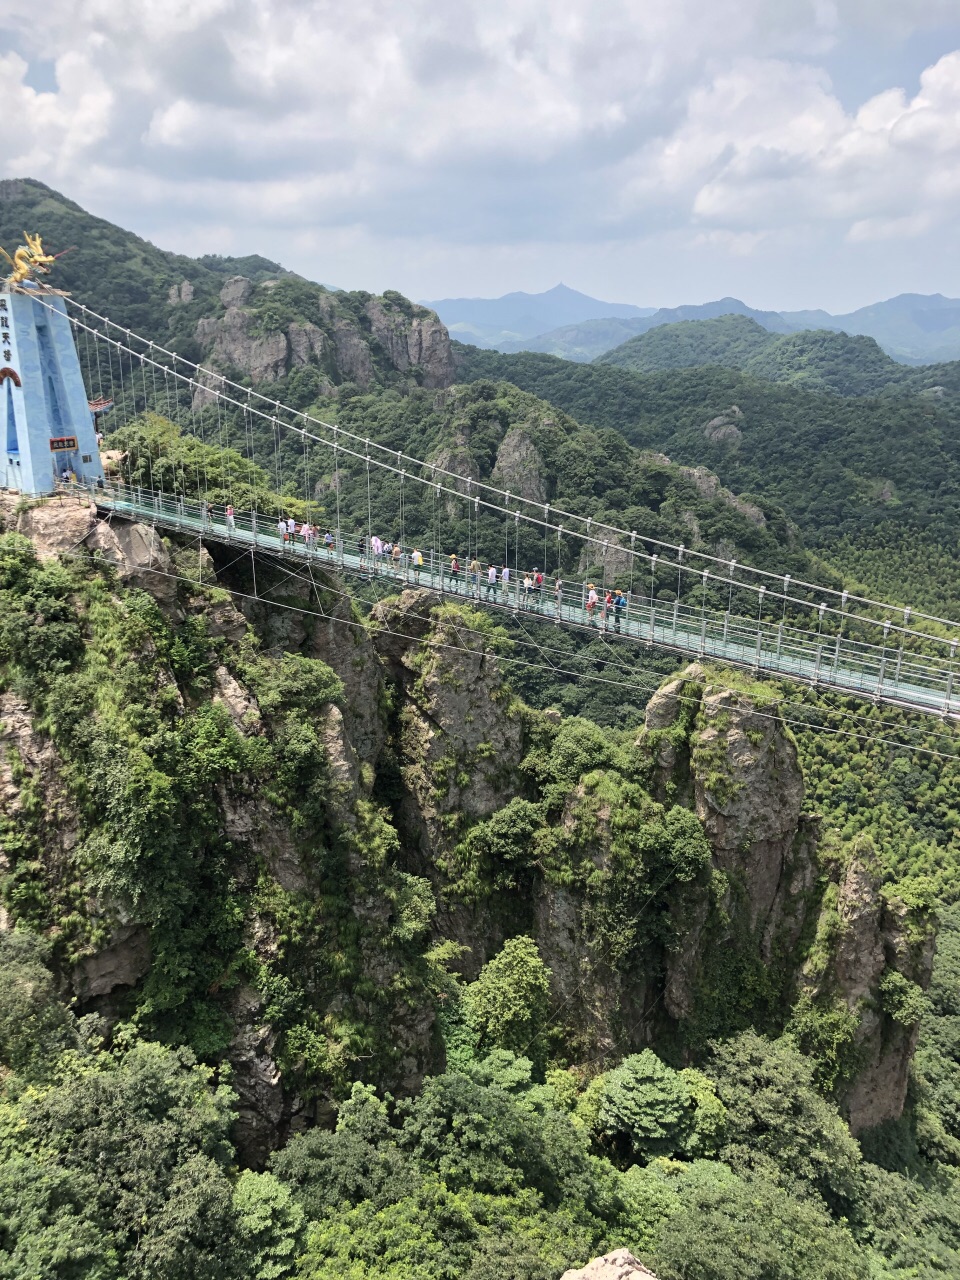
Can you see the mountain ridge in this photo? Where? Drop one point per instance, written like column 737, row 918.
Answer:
column 911, row 328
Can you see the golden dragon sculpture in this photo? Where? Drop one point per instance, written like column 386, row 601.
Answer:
column 29, row 260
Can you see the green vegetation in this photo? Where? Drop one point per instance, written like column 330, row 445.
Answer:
column 854, row 473
column 491, row 1016
column 117, row 1164
column 817, row 359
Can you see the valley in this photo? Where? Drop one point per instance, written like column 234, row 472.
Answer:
column 349, row 930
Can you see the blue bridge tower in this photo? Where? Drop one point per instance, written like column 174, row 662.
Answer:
column 46, row 422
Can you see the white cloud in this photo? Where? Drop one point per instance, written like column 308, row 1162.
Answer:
column 432, row 134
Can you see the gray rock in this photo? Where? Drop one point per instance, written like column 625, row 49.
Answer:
column 306, row 344
column 708, row 484
column 239, row 702
column 121, row 964
column 519, row 468
column 140, row 557
column 237, row 292
column 748, row 793
column 58, row 526
column 874, row 936
column 258, row 1083
column 178, row 294
column 619, row 1265
column 234, row 340
column 417, row 339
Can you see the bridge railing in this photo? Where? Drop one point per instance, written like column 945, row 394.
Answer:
column 763, row 644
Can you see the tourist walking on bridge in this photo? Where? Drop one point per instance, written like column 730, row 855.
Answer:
column 417, row 561
column 619, row 608
column 491, row 580
column 592, row 600
column 231, row 522
column 505, row 581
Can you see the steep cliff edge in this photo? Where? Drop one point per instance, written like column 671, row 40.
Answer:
column 250, row 828
column 282, row 327
column 800, row 918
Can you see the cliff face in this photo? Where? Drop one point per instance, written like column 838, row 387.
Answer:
column 333, row 798
column 816, row 916
column 367, row 342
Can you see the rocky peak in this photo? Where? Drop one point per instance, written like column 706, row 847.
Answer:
column 389, row 336
column 519, row 467
column 458, row 741
column 237, row 292
column 879, row 944
column 413, row 338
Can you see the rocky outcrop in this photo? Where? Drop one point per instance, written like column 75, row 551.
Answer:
column 180, row 294
column 708, row 484
column 235, row 342
column 139, row 556
column 724, row 428
column 256, row 1080
column 43, row 809
column 736, row 765
column 307, row 344
column 748, row 793
column 391, row 331
column 414, row 338
column 519, row 467
column 238, row 701
column 121, row 963
column 458, row 742
column 876, row 938
column 57, row 527
column 619, row 1265
column 237, row 292
column 27, row 754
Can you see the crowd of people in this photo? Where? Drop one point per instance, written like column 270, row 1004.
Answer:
column 493, row 583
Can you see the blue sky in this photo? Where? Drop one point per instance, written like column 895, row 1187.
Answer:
column 795, row 153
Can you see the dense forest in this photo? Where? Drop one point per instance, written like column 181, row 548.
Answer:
column 818, row 359
column 349, row 934
column 855, row 473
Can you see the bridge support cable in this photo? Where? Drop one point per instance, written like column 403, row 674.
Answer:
column 862, row 666
column 300, row 419
column 684, row 555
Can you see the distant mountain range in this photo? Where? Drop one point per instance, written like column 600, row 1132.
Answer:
column 912, row 328
column 517, row 317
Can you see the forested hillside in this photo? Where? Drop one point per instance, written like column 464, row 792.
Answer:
column 350, row 933
column 855, row 473
column 816, row 359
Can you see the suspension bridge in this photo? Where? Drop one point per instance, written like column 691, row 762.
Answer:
column 334, row 494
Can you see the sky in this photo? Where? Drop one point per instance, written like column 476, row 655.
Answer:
column 793, row 153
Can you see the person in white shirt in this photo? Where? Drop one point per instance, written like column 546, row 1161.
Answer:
column 491, row 581
column 505, row 581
